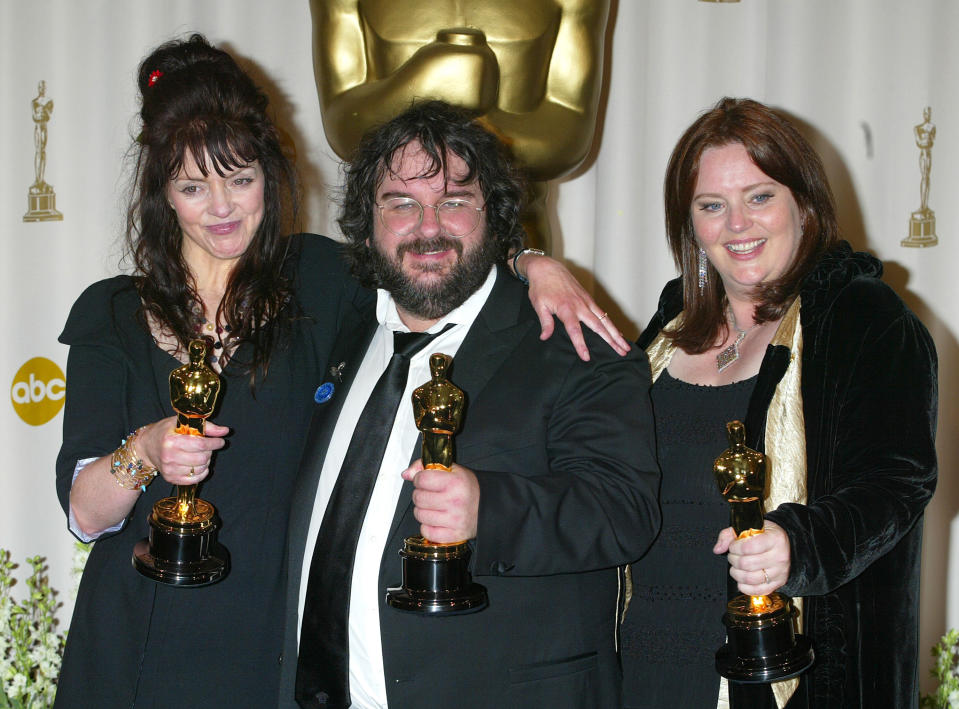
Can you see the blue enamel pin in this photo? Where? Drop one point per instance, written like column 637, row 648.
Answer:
column 324, row 393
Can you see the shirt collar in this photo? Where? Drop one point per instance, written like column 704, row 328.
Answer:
column 466, row 313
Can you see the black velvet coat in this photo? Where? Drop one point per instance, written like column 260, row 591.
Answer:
column 869, row 401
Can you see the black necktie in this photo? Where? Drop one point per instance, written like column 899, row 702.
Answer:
column 322, row 668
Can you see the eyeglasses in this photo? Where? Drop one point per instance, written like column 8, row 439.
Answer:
column 457, row 217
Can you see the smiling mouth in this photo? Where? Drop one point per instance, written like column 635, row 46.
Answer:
column 430, row 247
column 744, row 247
column 223, row 228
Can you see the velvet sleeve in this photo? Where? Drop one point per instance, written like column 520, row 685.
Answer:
column 870, row 403
column 670, row 305
column 592, row 502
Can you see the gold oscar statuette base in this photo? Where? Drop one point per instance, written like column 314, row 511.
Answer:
column 42, row 205
column 182, row 549
column 761, row 643
column 922, row 230
column 436, row 580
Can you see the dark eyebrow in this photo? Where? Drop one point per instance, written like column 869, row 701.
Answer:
column 451, row 194
column 749, row 188
column 461, row 193
column 202, row 178
column 764, row 184
column 393, row 193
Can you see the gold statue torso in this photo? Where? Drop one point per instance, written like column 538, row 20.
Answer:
column 532, row 69
column 522, row 39
column 194, row 388
column 438, row 408
column 740, row 473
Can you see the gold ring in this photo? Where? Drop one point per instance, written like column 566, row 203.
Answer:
column 191, row 473
column 765, row 576
column 603, row 317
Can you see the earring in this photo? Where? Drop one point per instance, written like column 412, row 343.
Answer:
column 701, row 270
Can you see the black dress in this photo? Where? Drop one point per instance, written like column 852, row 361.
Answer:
column 673, row 626
column 135, row 643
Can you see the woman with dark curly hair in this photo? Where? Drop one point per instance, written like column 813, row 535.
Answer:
column 212, row 199
column 777, row 323
column 212, row 196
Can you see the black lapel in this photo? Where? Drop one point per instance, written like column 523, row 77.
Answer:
column 770, row 373
column 355, row 332
column 347, row 353
column 503, row 321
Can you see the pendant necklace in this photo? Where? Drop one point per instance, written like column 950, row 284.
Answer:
column 731, row 353
column 214, row 335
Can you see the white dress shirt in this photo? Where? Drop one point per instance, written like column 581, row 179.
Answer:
column 367, row 682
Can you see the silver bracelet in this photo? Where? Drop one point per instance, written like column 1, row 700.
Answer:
column 523, row 279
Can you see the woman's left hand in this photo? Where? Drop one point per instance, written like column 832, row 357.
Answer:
column 554, row 291
column 759, row 564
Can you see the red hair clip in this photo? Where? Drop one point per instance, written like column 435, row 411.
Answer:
column 154, row 77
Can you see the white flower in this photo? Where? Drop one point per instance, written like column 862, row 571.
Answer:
column 30, row 646
column 18, row 684
column 944, row 663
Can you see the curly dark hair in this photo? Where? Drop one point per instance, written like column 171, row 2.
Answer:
column 780, row 151
column 441, row 130
column 197, row 102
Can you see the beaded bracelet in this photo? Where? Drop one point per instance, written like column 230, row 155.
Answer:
column 128, row 469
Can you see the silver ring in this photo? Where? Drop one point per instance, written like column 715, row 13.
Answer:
column 765, row 576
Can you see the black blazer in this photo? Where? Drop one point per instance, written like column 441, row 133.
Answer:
column 565, row 458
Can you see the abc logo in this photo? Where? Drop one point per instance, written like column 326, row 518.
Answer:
column 37, row 391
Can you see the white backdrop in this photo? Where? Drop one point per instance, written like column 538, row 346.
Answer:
column 856, row 74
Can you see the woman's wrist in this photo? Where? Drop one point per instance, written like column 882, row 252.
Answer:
column 128, row 469
column 515, row 262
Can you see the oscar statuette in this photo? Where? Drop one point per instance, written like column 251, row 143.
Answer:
column 182, row 549
column 436, row 577
column 761, row 643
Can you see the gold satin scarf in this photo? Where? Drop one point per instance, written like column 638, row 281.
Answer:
column 785, row 438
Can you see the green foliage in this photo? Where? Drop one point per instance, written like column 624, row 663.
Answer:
column 30, row 646
column 947, row 672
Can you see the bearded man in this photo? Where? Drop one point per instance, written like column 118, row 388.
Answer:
column 554, row 482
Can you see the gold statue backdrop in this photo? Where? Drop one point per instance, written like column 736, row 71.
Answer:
column 922, row 222
column 532, row 67
column 41, row 199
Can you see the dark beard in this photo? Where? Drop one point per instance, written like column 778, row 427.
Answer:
column 433, row 301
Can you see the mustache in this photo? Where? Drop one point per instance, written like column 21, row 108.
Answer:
column 436, row 243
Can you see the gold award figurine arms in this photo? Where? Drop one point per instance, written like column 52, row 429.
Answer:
column 534, row 69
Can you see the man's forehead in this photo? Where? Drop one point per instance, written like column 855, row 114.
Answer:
column 411, row 163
